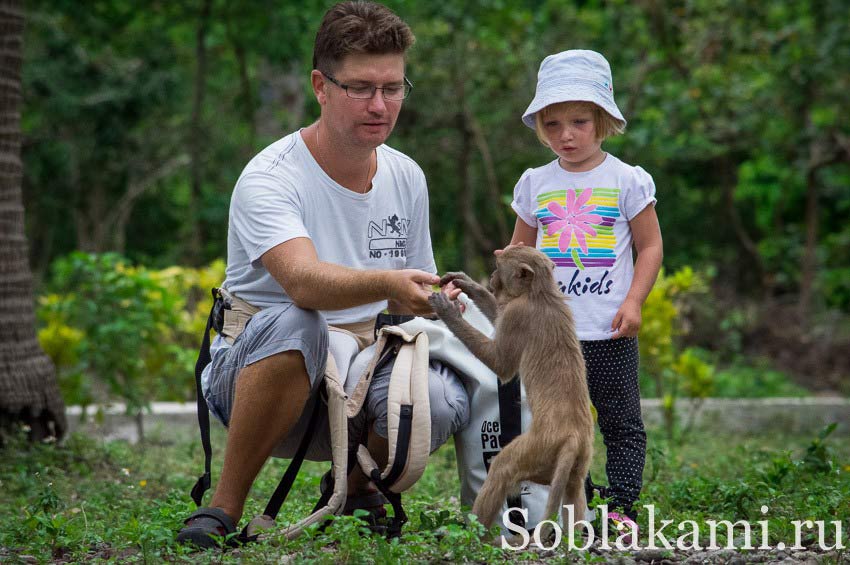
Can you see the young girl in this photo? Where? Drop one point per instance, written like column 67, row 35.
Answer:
column 585, row 210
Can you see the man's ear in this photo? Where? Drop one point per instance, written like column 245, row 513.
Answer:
column 317, row 80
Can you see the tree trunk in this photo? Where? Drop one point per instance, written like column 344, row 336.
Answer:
column 466, row 196
column 822, row 153
column 28, row 388
column 503, row 231
column 808, row 263
column 729, row 178
column 246, row 92
column 197, row 138
column 473, row 239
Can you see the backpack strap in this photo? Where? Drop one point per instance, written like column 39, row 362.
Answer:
column 510, row 419
column 408, row 423
column 409, row 427
column 213, row 321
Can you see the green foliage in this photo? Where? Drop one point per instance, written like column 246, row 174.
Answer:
column 819, row 454
column 697, row 375
column 797, row 480
column 664, row 324
column 757, row 380
column 673, row 371
column 88, row 500
column 116, row 331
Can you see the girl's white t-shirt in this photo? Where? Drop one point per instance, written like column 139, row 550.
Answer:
column 582, row 222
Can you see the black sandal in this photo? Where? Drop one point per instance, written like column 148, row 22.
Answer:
column 204, row 523
column 372, row 502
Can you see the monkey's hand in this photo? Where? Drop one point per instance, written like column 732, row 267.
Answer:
column 462, row 281
column 447, row 309
column 478, row 344
column 482, row 297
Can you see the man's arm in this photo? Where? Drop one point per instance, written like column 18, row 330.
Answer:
column 318, row 285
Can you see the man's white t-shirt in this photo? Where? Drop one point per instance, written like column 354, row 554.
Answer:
column 582, row 222
column 284, row 194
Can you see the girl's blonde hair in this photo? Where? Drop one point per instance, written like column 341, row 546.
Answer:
column 605, row 124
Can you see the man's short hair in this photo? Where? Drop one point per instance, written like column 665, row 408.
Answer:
column 359, row 27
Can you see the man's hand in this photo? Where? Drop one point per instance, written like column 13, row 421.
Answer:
column 627, row 320
column 409, row 290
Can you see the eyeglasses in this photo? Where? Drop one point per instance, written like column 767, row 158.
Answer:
column 367, row 91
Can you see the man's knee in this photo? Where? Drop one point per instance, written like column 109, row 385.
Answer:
column 449, row 403
column 284, row 365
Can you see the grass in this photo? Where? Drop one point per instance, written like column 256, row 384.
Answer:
column 89, row 500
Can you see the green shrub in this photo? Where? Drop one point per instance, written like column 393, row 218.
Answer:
column 667, row 369
column 119, row 332
column 755, row 381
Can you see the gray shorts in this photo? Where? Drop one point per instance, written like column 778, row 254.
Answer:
column 287, row 328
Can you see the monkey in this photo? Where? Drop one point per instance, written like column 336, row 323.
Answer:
column 535, row 337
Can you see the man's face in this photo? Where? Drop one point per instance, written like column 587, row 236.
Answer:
column 361, row 122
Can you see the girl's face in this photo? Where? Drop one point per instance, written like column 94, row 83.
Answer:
column 571, row 134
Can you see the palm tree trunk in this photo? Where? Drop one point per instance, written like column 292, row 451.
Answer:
column 28, row 388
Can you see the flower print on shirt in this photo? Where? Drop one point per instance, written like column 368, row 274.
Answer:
column 576, row 220
column 579, row 226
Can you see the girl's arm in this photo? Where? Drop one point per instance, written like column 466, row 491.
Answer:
column 523, row 233
column 646, row 235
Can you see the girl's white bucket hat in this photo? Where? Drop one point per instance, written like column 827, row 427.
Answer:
column 572, row 76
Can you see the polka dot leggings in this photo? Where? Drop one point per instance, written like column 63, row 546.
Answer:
column 612, row 377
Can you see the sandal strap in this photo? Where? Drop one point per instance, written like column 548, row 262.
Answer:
column 216, row 514
column 365, row 501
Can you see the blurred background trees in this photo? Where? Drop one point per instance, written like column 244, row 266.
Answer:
column 138, row 118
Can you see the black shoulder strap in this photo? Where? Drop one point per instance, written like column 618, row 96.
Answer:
column 288, row 479
column 510, row 419
column 204, row 480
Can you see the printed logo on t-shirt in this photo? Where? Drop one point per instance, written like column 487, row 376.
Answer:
column 579, row 234
column 388, row 237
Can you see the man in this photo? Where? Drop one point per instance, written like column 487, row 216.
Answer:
column 327, row 227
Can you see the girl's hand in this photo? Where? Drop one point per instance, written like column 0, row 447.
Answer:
column 627, row 321
column 498, row 252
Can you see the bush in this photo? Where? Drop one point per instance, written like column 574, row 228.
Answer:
column 116, row 331
column 666, row 368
